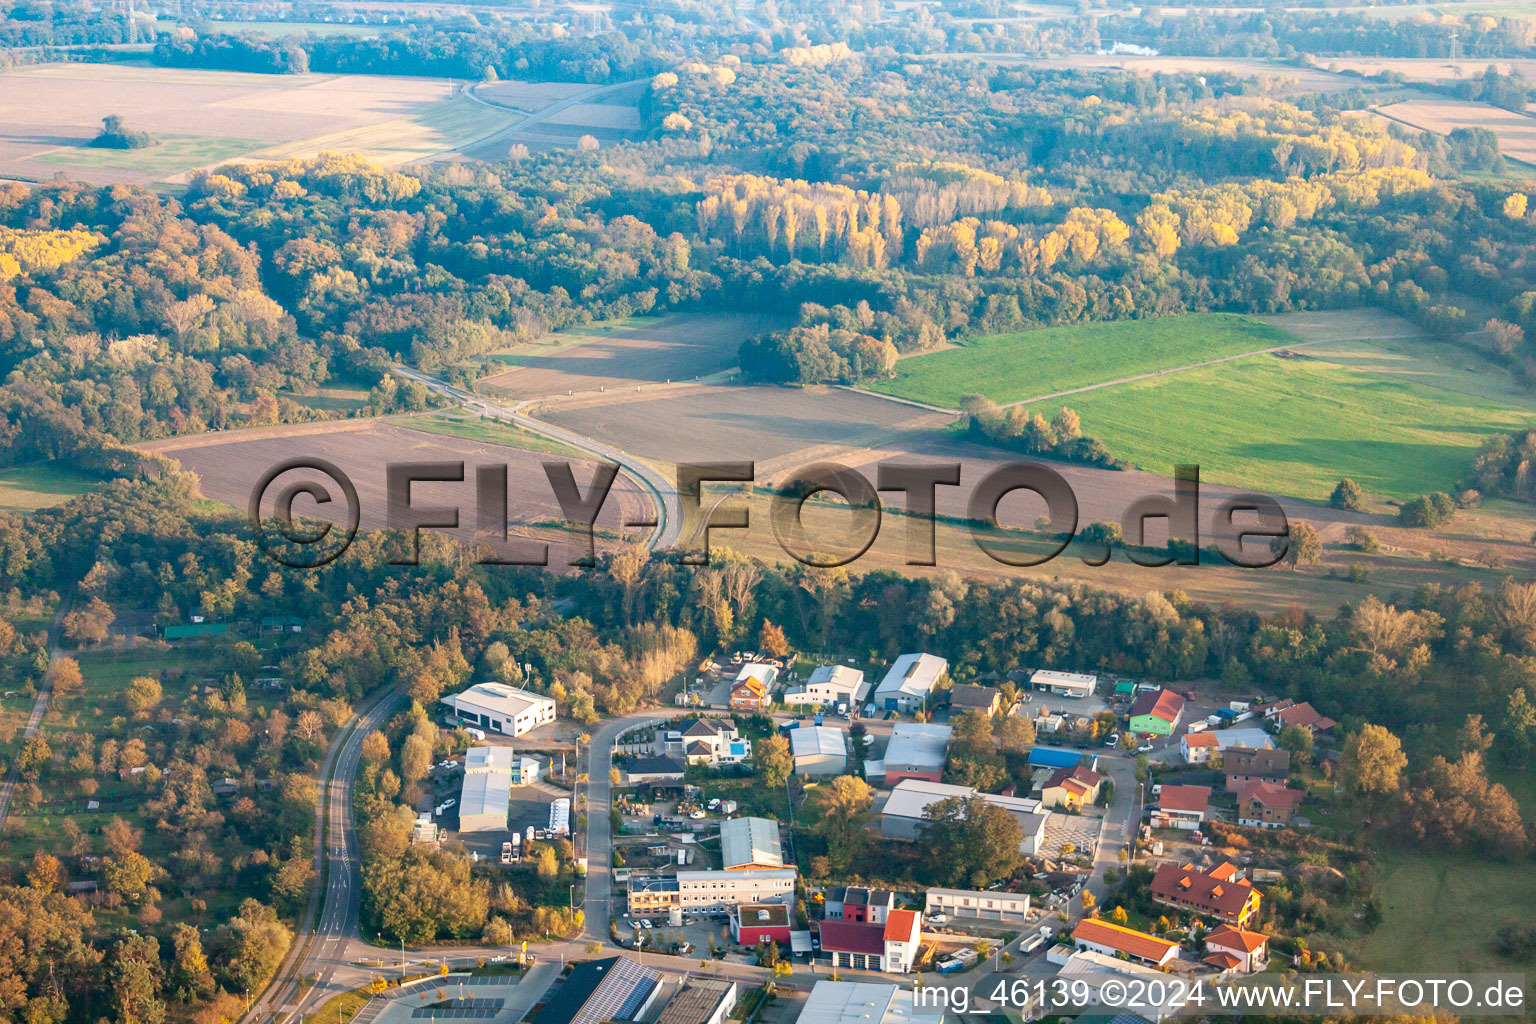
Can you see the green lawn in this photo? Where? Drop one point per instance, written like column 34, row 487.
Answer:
column 174, row 153
column 1440, row 912
column 1013, row 367
column 28, row 488
column 1394, row 418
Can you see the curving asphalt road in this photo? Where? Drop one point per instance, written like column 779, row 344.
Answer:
column 663, row 492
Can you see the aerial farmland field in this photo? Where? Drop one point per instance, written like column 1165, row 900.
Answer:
column 1019, row 366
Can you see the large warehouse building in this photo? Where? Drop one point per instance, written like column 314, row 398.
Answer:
column 498, row 707
column 747, row 843
column 819, row 750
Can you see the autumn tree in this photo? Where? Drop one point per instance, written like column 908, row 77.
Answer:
column 1374, row 761
column 840, row 812
column 773, row 641
column 773, row 759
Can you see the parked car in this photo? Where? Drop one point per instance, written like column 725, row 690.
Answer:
column 1145, row 748
column 1114, row 739
column 938, row 919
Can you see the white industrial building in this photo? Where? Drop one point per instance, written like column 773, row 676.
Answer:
column 902, row 816
column 917, row 750
column 1064, row 684
column 522, row 769
column 986, row 906
column 855, row 1002
column 1253, row 739
column 484, row 799
column 750, row 843
column 819, row 750
column 909, row 682
column 498, row 707
column 708, row 892
column 829, row 685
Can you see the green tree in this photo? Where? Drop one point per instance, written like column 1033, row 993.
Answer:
column 1374, row 760
column 774, row 762
column 1347, row 495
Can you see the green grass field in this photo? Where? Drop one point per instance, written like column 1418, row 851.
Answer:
column 1013, row 367
column 1397, row 418
column 1440, row 912
column 333, row 399
column 174, row 153
column 29, row 488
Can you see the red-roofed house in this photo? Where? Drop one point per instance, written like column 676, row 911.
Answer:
column 1250, row 950
column 1304, row 715
column 1267, row 804
column 1071, row 787
column 1112, row 939
column 1197, row 747
column 1217, row 893
column 1156, row 712
column 1181, row 806
column 891, row 946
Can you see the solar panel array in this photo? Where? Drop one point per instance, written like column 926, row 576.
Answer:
column 458, row 1013
column 621, row 993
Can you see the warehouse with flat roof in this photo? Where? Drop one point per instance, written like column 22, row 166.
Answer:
column 819, row 750
column 747, row 843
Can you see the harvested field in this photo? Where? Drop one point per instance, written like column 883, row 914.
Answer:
column 1516, row 132
column 641, row 350
column 230, row 464
column 599, row 115
column 1364, row 324
column 528, row 96
column 206, row 117
column 1429, row 69
column 696, row 424
column 435, row 130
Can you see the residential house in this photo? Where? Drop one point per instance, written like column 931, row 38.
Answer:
column 751, row 923
column 1238, row 949
column 1197, row 747
column 910, row 680
column 1243, row 739
column 753, row 688
column 890, row 947
column 1303, row 715
column 969, row 697
column 1114, row 939
column 712, row 741
column 497, row 707
column 1074, row 788
column 1181, row 807
column 830, row 685
column 1156, row 713
column 859, row 905
column 1243, row 765
column 1267, row 804
column 1220, row 892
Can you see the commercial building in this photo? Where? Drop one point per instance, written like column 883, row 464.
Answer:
column 1113, row 939
column 498, row 707
column 485, row 797
column 748, row 843
column 852, row 1002
column 1064, row 684
column 708, row 891
column 1103, row 979
column 655, row 769
column 819, row 750
column 830, row 685
column 987, row 906
column 915, row 751
column 1061, row 757
column 910, row 680
column 700, row 1001
column 614, row 988
column 751, row 923
column 521, row 769
column 891, row 946
column 902, row 815
column 1243, row 739
column 1156, row 713
column 1181, row 807
column 1220, row 892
